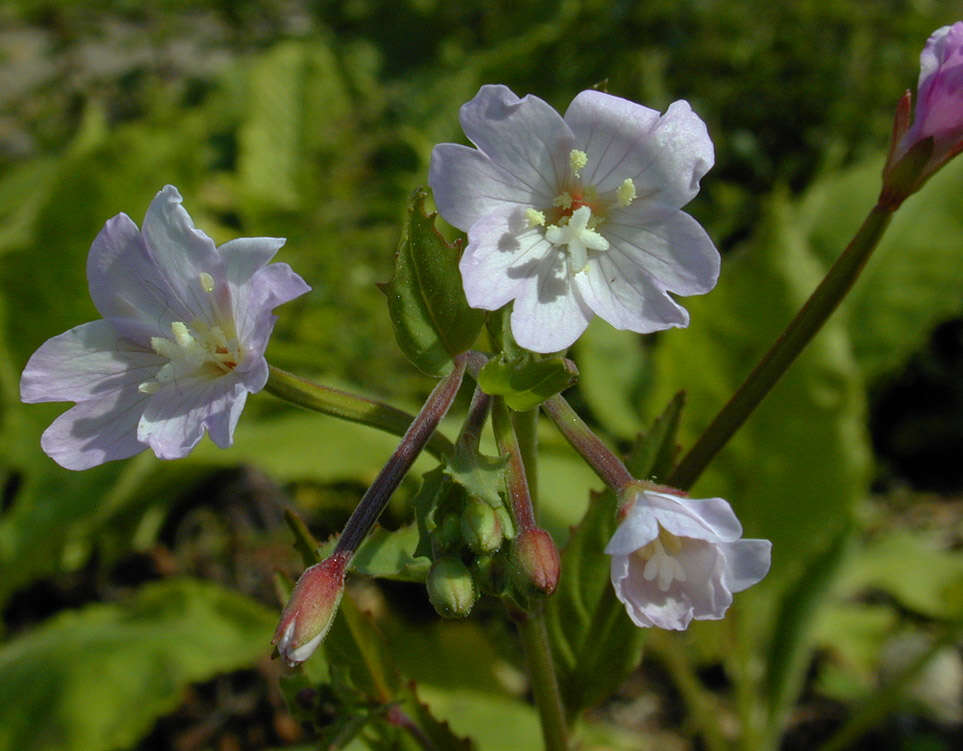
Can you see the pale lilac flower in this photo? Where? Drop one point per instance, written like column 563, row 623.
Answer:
column 180, row 345
column 577, row 216
column 938, row 115
column 675, row 559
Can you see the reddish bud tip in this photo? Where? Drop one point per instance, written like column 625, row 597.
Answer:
column 311, row 610
column 538, row 560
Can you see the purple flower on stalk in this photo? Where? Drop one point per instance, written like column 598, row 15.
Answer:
column 181, row 343
column 675, row 559
column 936, row 134
column 577, row 216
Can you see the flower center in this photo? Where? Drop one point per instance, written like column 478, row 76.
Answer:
column 660, row 564
column 194, row 349
column 577, row 213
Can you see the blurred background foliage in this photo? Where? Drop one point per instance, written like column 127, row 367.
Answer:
column 137, row 597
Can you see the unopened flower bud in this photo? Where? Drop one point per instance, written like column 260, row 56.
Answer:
column 537, row 558
column 480, row 527
column 451, row 588
column 311, row 610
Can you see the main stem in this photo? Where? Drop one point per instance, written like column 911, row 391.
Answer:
column 538, row 654
column 531, row 625
column 808, row 321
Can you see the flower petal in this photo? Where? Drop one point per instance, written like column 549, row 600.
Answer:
column 675, row 251
column 619, row 292
column 243, row 256
column 637, row 529
column 665, row 156
column 174, row 419
column 747, row 562
column 254, row 300
column 85, row 363
column 182, row 253
column 549, row 313
column 467, row 186
column 125, row 280
column 709, row 519
column 644, row 602
column 96, row 431
column 524, row 137
column 501, row 258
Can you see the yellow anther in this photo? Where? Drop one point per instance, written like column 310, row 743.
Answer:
column 535, row 218
column 563, row 201
column 182, row 334
column 577, row 159
column 625, row 193
column 207, row 281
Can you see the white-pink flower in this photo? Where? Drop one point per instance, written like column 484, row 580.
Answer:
column 675, row 559
column 577, row 216
column 180, row 346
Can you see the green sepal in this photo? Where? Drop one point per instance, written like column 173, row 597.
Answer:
column 431, row 317
column 527, row 380
column 386, row 554
column 481, row 476
column 595, row 644
column 652, row 456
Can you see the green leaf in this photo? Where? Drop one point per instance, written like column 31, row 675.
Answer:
column 98, row 677
column 653, row 453
column 481, row 476
column 426, row 302
column 528, row 380
column 914, row 569
column 797, row 466
column 914, row 279
column 387, row 555
column 595, row 644
column 796, row 617
column 613, row 375
column 439, row 733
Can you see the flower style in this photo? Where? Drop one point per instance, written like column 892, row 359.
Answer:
column 675, row 559
column 939, row 110
column 180, row 346
column 577, row 216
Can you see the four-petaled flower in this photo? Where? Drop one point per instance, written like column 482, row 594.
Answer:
column 577, row 216
column 675, row 559
column 180, row 345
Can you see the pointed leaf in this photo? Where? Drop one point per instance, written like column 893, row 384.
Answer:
column 654, row 451
column 426, row 302
column 595, row 644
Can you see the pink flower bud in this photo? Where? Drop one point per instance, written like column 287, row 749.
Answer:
column 538, row 560
column 936, row 135
column 311, row 610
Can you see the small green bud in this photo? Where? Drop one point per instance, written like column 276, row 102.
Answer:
column 447, row 535
column 451, row 588
column 480, row 527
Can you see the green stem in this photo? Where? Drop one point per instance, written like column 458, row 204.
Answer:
column 341, row 404
column 416, row 437
column 784, row 351
column 516, row 477
column 599, row 456
column 526, row 430
column 541, row 668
